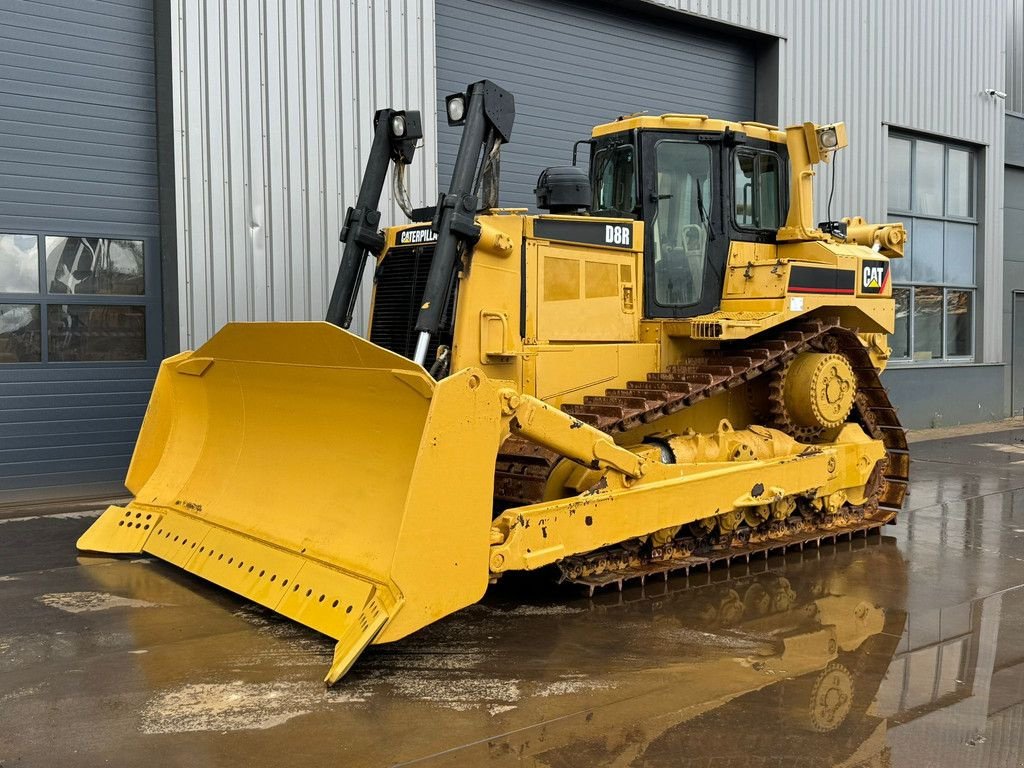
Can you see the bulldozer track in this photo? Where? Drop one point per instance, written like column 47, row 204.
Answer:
column 523, row 469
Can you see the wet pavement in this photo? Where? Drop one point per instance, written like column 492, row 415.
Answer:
column 900, row 650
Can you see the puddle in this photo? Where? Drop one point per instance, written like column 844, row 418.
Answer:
column 235, row 706
column 87, row 602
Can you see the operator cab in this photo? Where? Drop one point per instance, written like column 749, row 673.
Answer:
column 697, row 184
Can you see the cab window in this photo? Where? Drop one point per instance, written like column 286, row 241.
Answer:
column 614, row 181
column 681, row 221
column 757, row 185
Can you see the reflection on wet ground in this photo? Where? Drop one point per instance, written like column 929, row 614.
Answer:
column 901, row 650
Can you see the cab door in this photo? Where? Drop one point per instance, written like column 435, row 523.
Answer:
column 685, row 249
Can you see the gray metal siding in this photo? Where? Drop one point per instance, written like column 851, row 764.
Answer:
column 273, row 108
column 1013, row 284
column 69, row 432
column 77, row 157
column 1015, row 356
column 77, row 131
column 978, row 389
column 760, row 15
column 572, row 66
column 1015, row 55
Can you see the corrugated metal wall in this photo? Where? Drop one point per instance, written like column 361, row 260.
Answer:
column 273, row 107
column 759, row 15
column 78, row 129
column 1015, row 56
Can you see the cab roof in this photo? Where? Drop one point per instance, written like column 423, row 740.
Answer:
column 677, row 122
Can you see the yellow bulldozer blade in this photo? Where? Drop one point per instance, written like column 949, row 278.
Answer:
column 319, row 475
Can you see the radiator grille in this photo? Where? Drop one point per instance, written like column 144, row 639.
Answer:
column 399, row 283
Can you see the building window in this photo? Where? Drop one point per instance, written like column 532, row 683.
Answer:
column 95, row 265
column 19, row 264
column 71, row 299
column 932, row 190
column 19, row 333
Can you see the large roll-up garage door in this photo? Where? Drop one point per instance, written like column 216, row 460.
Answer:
column 573, row 65
column 80, row 325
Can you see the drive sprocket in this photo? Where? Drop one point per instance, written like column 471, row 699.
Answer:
column 812, row 392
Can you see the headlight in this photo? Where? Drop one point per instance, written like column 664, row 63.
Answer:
column 823, row 141
column 398, row 126
column 455, row 106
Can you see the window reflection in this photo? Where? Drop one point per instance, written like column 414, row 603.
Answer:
column 681, row 221
column 901, row 335
column 927, row 323
column 959, row 253
column 615, row 187
column 744, row 186
column 928, row 251
column 959, row 184
column 94, row 332
column 20, row 333
column 958, row 319
column 768, row 184
column 95, row 265
column 928, row 181
column 899, row 174
column 756, row 188
column 19, row 263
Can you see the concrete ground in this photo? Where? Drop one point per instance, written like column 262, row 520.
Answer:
column 901, row 650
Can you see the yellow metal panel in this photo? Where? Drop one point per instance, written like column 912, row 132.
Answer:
column 120, row 530
column 440, row 559
column 488, row 311
column 670, row 122
column 176, row 538
column 595, row 311
column 567, row 373
column 575, row 370
column 561, row 279
column 246, row 424
column 601, row 279
column 320, row 597
column 154, row 431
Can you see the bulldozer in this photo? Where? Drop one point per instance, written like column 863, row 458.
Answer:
column 671, row 365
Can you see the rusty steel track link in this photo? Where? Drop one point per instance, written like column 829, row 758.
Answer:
column 523, row 469
column 575, row 571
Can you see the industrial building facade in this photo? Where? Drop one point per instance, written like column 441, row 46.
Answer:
column 167, row 166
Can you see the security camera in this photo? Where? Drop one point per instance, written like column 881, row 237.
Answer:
column 996, row 94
